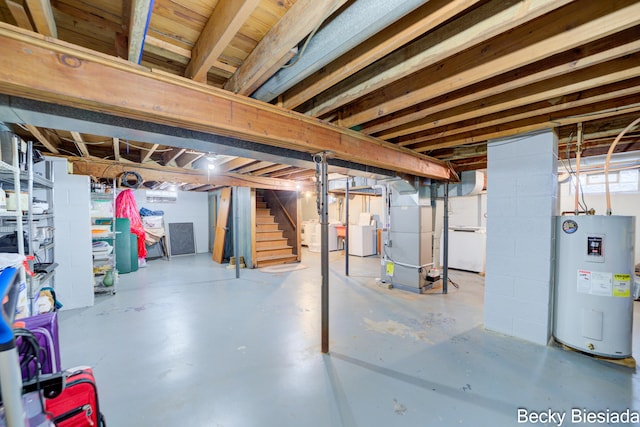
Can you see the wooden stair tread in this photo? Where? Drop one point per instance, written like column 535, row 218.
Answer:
column 277, row 257
column 270, row 239
column 273, row 248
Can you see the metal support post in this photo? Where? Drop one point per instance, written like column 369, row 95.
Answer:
column 445, row 243
column 346, row 230
column 236, row 238
column 322, row 190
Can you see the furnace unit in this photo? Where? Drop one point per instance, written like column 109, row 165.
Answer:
column 407, row 248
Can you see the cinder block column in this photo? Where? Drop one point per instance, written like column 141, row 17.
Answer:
column 522, row 189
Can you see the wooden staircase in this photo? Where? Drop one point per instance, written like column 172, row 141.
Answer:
column 271, row 245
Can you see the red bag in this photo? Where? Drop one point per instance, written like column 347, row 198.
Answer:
column 126, row 207
column 77, row 405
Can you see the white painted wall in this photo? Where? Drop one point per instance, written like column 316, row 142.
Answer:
column 521, row 204
column 72, row 237
column 621, row 204
column 191, row 206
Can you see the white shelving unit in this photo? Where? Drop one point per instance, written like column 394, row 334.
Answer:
column 38, row 227
column 103, row 214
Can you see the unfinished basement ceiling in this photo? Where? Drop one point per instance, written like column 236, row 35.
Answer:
column 437, row 78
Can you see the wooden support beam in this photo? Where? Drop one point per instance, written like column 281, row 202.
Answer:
column 223, row 24
column 140, row 16
column 42, row 16
column 19, row 13
column 412, row 26
column 55, row 72
column 169, row 156
column 80, row 144
column 274, row 50
column 614, row 18
column 149, row 153
column 41, row 136
column 110, row 169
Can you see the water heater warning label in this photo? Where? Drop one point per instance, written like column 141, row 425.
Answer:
column 584, row 281
column 595, row 283
column 621, row 285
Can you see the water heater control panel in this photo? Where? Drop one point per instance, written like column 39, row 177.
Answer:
column 595, row 247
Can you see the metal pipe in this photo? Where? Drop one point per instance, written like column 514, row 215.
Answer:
column 445, row 241
column 236, row 239
column 578, row 154
column 324, row 250
column 346, row 231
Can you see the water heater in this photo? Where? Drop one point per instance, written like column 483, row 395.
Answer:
column 593, row 302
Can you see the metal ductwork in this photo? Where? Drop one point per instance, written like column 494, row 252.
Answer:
column 355, row 24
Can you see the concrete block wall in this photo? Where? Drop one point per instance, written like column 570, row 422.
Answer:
column 521, row 204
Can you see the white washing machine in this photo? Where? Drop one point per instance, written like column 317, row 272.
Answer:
column 362, row 237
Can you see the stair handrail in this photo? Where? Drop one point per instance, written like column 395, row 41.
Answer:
column 286, row 213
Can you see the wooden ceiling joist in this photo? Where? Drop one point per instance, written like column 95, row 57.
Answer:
column 130, row 91
column 116, row 148
column 223, row 24
column 187, row 158
column 523, row 126
column 254, row 167
column 233, row 164
column 403, row 123
column 140, row 15
column 419, row 22
column 270, row 169
column 588, row 25
column 82, row 147
column 565, row 97
column 19, row 12
column 112, row 170
column 42, row 16
column 170, row 47
column 483, row 24
column 169, row 156
column 149, row 152
column 42, row 137
column 274, row 50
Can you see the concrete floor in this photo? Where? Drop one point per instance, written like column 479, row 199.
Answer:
column 184, row 343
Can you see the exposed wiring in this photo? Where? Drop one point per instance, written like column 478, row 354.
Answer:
column 125, row 177
column 418, row 267
column 572, row 173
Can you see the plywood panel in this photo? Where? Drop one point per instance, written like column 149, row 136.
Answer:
column 221, row 226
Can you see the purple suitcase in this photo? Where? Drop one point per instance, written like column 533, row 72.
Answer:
column 45, row 329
